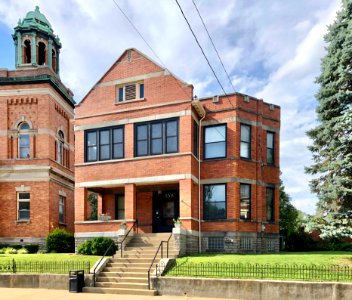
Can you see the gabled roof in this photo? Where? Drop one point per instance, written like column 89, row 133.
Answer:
column 114, row 64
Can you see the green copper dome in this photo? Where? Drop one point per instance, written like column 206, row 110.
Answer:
column 35, row 19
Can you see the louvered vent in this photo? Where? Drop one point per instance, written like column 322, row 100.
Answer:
column 130, row 92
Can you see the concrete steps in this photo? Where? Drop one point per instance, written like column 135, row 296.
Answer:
column 129, row 274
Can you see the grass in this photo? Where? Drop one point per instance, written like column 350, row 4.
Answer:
column 311, row 266
column 320, row 258
column 46, row 263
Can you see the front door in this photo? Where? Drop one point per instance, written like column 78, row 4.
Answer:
column 166, row 207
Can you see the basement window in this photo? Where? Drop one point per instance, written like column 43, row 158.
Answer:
column 130, row 91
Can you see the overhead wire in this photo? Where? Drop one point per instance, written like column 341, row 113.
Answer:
column 211, row 40
column 145, row 41
column 200, row 47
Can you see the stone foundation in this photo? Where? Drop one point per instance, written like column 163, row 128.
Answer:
column 24, row 241
column 186, row 242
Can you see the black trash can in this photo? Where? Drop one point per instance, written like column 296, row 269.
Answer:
column 76, row 281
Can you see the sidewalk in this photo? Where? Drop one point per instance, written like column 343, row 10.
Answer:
column 38, row 294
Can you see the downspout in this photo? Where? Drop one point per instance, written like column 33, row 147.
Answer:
column 199, row 221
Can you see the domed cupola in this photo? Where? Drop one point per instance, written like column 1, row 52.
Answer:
column 35, row 41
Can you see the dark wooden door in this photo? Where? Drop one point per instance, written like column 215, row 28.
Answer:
column 166, row 207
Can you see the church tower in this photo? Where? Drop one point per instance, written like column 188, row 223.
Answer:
column 36, row 138
column 35, row 42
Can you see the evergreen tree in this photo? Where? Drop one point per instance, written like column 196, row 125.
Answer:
column 332, row 145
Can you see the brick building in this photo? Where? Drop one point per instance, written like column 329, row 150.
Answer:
column 36, row 138
column 151, row 153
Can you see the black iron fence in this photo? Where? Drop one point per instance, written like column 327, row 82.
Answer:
column 55, row 267
column 262, row 271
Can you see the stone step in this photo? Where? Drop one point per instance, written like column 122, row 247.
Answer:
column 130, row 260
column 102, row 290
column 128, row 265
column 122, row 279
column 143, row 248
column 124, row 274
column 125, row 285
column 126, row 269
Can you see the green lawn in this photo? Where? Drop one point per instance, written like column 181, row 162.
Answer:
column 323, row 258
column 311, row 266
column 46, row 263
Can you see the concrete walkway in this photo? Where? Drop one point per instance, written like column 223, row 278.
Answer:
column 39, row 294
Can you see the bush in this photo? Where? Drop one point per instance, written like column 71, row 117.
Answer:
column 97, row 246
column 60, row 241
column 2, row 251
column 32, row 248
column 22, row 251
column 300, row 241
column 85, row 248
column 10, row 250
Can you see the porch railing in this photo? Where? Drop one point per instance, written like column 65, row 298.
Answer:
column 135, row 225
column 161, row 250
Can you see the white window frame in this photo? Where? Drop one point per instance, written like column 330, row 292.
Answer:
column 18, row 205
column 138, row 96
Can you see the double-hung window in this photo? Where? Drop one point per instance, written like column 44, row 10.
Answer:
column 130, row 91
column 155, row 138
column 270, row 140
column 245, row 147
column 270, row 204
column 62, row 209
column 104, row 144
column 215, row 141
column 245, row 201
column 23, row 206
column 214, row 201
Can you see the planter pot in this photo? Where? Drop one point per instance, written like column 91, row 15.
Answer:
column 177, row 225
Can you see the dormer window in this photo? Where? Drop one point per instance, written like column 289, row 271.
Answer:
column 130, row 91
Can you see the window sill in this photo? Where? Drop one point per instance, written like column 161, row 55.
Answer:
column 62, row 224
column 130, row 101
column 23, row 221
column 217, row 220
column 215, row 158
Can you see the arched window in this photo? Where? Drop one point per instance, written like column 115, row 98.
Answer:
column 41, row 54
column 53, row 60
column 23, row 140
column 27, row 55
column 60, row 147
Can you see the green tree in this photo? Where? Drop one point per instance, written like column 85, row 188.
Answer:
column 290, row 216
column 332, row 145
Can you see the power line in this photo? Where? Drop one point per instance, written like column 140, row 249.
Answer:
column 200, row 47
column 205, row 27
column 145, row 41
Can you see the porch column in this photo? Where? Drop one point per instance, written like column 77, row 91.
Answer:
column 186, row 202
column 100, row 203
column 130, row 201
column 80, row 204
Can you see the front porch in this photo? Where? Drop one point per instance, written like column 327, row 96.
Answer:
column 105, row 210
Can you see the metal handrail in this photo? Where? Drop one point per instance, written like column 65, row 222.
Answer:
column 107, row 250
column 161, row 246
column 135, row 224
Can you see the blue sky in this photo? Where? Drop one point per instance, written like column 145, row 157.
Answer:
column 271, row 50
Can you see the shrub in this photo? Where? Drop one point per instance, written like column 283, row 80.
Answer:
column 41, row 251
column 22, row 251
column 60, row 241
column 10, row 250
column 32, row 248
column 2, row 251
column 85, row 248
column 101, row 244
column 300, row 241
column 97, row 246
